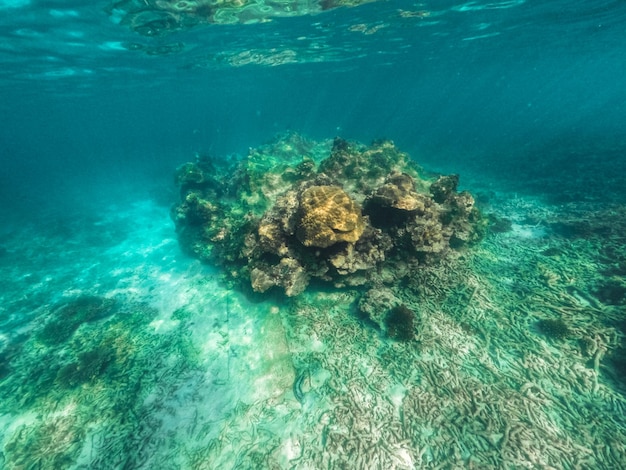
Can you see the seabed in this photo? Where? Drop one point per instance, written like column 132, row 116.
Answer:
column 118, row 351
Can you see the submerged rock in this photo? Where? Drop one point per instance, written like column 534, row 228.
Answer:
column 339, row 212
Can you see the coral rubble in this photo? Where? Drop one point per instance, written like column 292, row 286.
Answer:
column 339, row 212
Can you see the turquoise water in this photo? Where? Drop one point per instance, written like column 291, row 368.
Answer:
column 140, row 328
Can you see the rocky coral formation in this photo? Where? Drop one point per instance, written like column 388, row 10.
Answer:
column 328, row 216
column 339, row 212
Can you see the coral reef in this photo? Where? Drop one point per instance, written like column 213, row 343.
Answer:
column 341, row 212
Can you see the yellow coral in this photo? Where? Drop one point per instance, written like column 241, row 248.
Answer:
column 328, row 216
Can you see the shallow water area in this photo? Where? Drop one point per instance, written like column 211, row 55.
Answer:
column 408, row 221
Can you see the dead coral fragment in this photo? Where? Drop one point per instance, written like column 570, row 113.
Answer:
column 329, row 216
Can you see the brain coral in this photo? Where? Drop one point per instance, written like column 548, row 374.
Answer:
column 328, row 215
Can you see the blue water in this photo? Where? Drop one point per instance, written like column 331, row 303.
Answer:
column 484, row 83
column 524, row 99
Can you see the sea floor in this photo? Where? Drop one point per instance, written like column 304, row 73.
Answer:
column 118, row 351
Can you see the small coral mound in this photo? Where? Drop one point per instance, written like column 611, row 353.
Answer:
column 444, row 188
column 400, row 323
column 288, row 273
column 393, row 203
column 340, row 212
